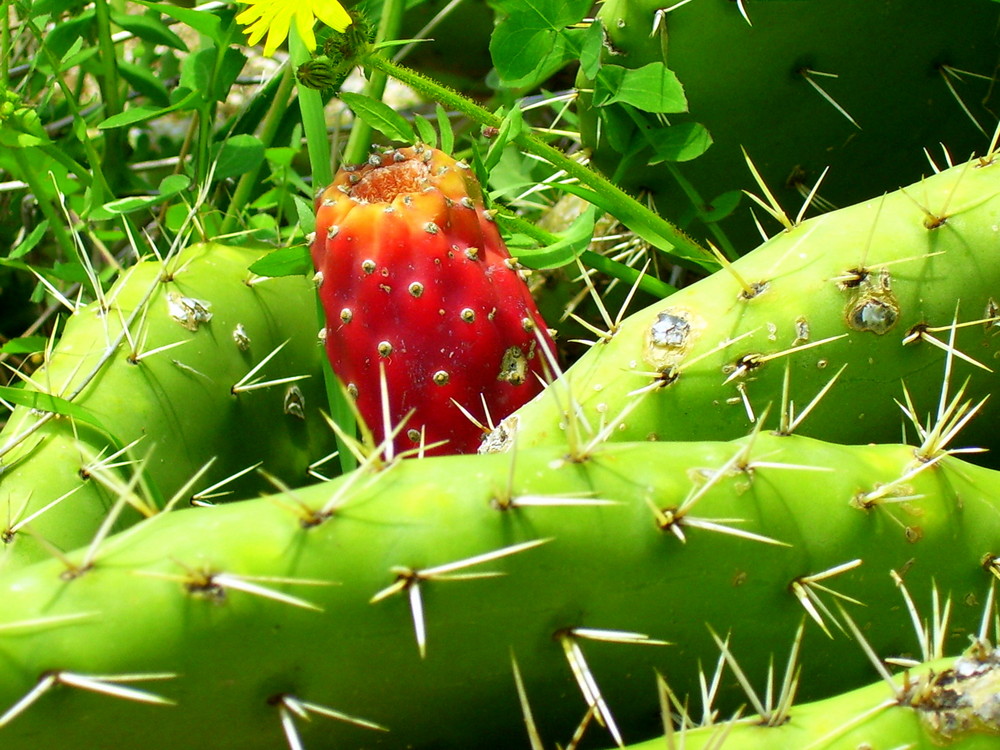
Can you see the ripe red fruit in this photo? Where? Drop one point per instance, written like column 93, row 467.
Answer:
column 415, row 278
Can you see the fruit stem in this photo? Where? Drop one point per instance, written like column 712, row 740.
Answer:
column 627, row 209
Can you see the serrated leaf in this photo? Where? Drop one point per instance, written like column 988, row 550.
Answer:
column 380, row 116
column 287, row 261
column 233, row 61
column 533, row 40
column 149, row 29
column 651, row 88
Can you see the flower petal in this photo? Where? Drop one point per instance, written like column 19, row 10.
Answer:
column 332, row 14
column 278, row 31
column 304, row 23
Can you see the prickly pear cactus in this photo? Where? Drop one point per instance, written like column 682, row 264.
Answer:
column 833, row 320
column 397, row 598
column 187, row 372
column 859, row 87
column 952, row 703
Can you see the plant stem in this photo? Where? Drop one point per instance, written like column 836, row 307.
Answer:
column 313, row 116
column 247, row 183
column 318, row 146
column 653, row 227
column 388, row 28
column 5, row 52
column 114, row 138
column 696, row 200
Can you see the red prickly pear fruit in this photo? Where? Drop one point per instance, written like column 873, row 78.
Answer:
column 415, row 278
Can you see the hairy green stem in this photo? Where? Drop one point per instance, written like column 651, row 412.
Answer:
column 696, row 200
column 272, row 121
column 619, row 203
column 389, row 24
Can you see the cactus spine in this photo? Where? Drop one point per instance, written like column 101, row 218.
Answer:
column 952, row 703
column 398, row 595
column 856, row 300
column 154, row 373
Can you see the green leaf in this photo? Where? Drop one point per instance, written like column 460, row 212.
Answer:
column 55, row 6
column 281, row 156
column 591, row 47
column 149, row 29
column 570, row 245
column 533, row 40
column 233, row 61
column 721, row 206
column 306, row 213
column 380, row 116
column 202, row 21
column 237, row 155
column 652, row 88
column 425, row 130
column 28, row 243
column 681, row 142
column 25, row 345
column 444, row 128
column 68, row 33
column 143, row 80
column 135, row 115
column 197, row 70
column 511, row 127
column 169, row 187
column 287, row 261
column 49, row 403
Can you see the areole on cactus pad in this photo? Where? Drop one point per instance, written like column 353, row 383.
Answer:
column 429, row 323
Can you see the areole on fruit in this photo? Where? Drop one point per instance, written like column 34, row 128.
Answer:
column 428, row 319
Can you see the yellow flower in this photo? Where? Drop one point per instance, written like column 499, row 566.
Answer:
column 274, row 18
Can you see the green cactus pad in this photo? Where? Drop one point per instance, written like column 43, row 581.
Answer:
column 400, row 596
column 153, row 406
column 868, row 292
column 860, row 87
column 953, row 703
